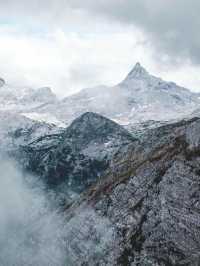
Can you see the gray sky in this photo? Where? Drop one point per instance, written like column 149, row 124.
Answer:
column 71, row 44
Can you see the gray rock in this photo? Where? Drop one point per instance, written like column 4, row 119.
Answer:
column 149, row 201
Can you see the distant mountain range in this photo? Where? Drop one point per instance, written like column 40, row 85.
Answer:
column 138, row 98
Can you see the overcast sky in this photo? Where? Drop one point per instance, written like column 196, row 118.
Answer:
column 71, row 44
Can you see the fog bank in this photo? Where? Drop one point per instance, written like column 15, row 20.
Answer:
column 31, row 232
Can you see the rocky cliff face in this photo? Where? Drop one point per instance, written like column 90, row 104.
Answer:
column 77, row 157
column 146, row 210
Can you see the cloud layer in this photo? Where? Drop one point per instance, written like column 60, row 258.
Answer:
column 31, row 232
column 172, row 26
column 84, row 43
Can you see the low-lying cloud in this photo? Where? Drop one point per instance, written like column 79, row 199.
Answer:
column 31, row 233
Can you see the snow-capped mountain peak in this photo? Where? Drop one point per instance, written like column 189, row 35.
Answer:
column 139, row 97
column 138, row 72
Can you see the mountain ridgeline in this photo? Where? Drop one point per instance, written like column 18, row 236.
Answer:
column 138, row 98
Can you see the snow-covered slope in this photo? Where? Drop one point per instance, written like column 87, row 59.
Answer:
column 139, row 97
column 23, row 98
column 16, row 130
column 16, row 127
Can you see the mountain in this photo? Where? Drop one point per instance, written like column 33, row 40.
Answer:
column 129, row 199
column 78, row 156
column 139, row 97
column 17, row 130
column 146, row 209
column 19, row 124
column 20, row 99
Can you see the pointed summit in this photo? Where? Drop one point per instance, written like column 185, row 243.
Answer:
column 137, row 72
column 95, row 127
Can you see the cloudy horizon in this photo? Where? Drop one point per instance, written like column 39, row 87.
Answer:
column 69, row 46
